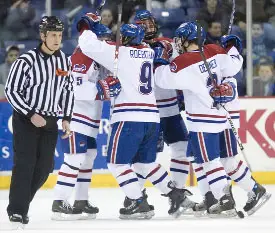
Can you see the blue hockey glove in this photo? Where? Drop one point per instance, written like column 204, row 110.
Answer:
column 223, row 93
column 161, row 56
column 164, row 44
column 227, row 41
column 87, row 22
column 108, row 87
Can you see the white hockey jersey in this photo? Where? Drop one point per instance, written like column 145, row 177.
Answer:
column 87, row 110
column 187, row 72
column 136, row 101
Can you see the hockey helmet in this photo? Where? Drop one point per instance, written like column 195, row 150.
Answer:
column 51, row 23
column 188, row 32
column 132, row 34
column 146, row 19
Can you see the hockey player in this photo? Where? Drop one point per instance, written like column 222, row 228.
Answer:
column 172, row 127
column 135, row 120
column 205, row 122
column 235, row 168
column 80, row 148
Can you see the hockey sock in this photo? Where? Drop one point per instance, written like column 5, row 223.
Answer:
column 84, row 176
column 156, row 174
column 127, row 179
column 179, row 165
column 67, row 176
column 203, row 184
column 216, row 177
column 141, row 178
column 239, row 172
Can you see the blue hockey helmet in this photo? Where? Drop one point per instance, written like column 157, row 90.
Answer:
column 131, row 34
column 188, row 32
column 147, row 20
column 102, row 31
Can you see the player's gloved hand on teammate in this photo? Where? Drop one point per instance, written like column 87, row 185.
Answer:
column 164, row 44
column 108, row 87
column 223, row 93
column 161, row 56
column 180, row 99
column 227, row 41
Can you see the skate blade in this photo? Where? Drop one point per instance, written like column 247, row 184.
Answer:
column 17, row 226
column 188, row 212
column 200, row 214
column 224, row 214
column 179, row 212
column 260, row 203
column 65, row 217
column 138, row 216
column 86, row 216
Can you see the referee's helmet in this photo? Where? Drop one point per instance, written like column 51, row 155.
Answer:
column 50, row 23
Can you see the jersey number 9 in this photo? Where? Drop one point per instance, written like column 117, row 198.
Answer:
column 145, row 78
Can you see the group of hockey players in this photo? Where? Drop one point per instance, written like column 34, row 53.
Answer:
column 154, row 74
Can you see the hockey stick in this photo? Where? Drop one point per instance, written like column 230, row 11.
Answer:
column 99, row 8
column 104, row 127
column 231, row 17
column 215, row 84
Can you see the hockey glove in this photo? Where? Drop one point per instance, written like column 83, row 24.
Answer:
column 87, row 22
column 164, row 44
column 161, row 56
column 227, row 41
column 108, row 87
column 223, row 93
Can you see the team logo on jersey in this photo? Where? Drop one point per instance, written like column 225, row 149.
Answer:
column 79, row 68
column 173, row 67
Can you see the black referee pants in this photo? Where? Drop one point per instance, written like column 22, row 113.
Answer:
column 33, row 160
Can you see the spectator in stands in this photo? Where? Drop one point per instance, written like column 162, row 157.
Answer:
column 262, row 45
column 11, row 56
column 264, row 83
column 108, row 20
column 214, row 32
column 18, row 22
column 213, row 12
column 270, row 11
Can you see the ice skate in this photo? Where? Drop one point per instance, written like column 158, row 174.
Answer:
column 225, row 207
column 201, row 209
column 127, row 202
column 88, row 211
column 179, row 202
column 136, row 209
column 63, row 211
column 256, row 199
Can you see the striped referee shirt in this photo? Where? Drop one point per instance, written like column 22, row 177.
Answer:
column 41, row 83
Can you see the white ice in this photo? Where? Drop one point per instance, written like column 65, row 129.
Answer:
column 109, row 200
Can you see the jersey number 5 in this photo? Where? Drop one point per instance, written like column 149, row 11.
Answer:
column 145, row 78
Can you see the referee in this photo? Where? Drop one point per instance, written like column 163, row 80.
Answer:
column 39, row 85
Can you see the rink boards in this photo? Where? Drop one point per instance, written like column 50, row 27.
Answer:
column 257, row 133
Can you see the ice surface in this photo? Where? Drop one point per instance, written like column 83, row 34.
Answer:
column 110, row 200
